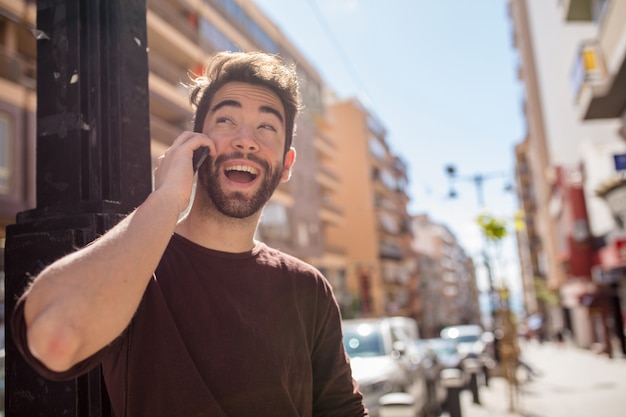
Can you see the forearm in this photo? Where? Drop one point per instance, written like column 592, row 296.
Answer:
column 82, row 302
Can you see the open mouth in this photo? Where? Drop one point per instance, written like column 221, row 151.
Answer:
column 241, row 173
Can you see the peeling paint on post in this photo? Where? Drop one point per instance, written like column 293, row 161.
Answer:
column 93, row 167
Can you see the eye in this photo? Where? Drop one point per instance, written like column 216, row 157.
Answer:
column 223, row 119
column 268, row 126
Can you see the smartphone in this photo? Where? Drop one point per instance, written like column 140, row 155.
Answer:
column 199, row 155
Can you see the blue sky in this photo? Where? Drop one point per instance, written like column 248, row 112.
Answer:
column 441, row 76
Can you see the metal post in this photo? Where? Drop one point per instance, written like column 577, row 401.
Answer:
column 478, row 179
column 93, row 167
column 473, row 366
column 453, row 381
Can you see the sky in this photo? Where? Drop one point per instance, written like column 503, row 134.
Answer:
column 441, row 77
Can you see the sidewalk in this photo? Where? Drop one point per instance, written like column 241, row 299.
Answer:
column 573, row 382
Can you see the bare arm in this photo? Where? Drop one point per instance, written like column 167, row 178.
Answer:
column 83, row 301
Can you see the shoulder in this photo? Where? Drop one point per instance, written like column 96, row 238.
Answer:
column 291, row 265
column 278, row 259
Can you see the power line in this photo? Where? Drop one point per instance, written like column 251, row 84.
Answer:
column 337, row 46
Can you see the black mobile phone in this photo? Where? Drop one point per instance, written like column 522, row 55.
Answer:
column 199, row 155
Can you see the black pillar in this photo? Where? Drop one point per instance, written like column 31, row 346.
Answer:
column 93, row 167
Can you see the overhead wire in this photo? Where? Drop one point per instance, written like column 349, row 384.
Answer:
column 336, row 44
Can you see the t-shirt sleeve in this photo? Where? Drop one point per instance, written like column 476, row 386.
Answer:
column 335, row 392
column 18, row 329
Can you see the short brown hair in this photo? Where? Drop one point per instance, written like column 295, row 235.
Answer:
column 257, row 68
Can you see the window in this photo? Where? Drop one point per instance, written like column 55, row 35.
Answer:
column 388, row 179
column 245, row 22
column 376, row 148
column 211, row 34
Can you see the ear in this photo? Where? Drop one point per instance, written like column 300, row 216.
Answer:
column 290, row 159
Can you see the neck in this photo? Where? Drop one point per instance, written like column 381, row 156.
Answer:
column 217, row 231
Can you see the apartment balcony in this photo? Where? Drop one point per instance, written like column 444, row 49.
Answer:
column 18, row 10
column 328, row 179
column 331, row 213
column 599, row 72
column 381, row 189
column 388, row 250
column 324, row 146
column 174, row 35
column 162, row 66
column 18, row 69
column 577, row 10
column 168, row 100
column 183, row 21
column 163, row 131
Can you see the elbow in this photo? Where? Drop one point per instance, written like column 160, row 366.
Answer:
column 54, row 346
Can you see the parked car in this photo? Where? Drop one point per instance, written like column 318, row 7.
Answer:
column 471, row 340
column 443, row 351
column 385, row 360
column 438, row 354
column 473, row 343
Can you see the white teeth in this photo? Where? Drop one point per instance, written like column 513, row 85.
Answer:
column 243, row 168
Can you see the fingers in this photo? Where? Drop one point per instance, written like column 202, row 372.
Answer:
column 192, row 141
column 183, row 147
column 174, row 172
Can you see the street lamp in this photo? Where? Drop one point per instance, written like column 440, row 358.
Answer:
column 478, row 179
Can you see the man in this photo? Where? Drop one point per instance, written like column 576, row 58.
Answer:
column 192, row 316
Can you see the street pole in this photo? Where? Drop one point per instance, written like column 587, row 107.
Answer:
column 478, row 179
column 93, row 167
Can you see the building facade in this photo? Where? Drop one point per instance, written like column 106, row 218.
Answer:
column 376, row 231
column 571, row 64
column 448, row 287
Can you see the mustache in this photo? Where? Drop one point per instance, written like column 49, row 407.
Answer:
column 239, row 155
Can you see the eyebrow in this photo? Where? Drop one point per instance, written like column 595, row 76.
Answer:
column 235, row 103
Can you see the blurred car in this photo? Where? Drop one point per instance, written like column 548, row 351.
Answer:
column 444, row 352
column 385, row 360
column 471, row 340
column 473, row 343
column 438, row 354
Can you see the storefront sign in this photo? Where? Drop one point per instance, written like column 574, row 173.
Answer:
column 620, row 161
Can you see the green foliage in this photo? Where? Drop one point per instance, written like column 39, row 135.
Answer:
column 493, row 229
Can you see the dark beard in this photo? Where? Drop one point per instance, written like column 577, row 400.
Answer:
column 235, row 204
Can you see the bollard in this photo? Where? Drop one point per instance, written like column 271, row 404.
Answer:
column 473, row 366
column 397, row 404
column 488, row 365
column 433, row 406
column 453, row 380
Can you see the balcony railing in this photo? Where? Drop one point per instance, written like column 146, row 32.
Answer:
column 179, row 19
column 18, row 69
column 577, row 10
column 163, row 131
column 588, row 70
column 167, row 70
column 389, row 250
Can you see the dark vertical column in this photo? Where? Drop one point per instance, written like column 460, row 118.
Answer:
column 93, row 166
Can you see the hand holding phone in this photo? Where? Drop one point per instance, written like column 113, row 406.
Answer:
column 199, row 156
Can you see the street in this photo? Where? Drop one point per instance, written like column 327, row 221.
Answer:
column 571, row 382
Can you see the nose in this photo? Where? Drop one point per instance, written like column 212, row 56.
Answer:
column 245, row 140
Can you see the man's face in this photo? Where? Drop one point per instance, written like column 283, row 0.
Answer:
column 247, row 124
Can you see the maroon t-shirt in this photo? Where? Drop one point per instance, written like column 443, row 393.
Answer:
column 222, row 334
